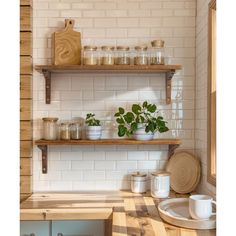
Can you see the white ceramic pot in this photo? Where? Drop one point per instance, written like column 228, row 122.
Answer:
column 160, row 184
column 140, row 133
column 93, row 132
column 138, row 182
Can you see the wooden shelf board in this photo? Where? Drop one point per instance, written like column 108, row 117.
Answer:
column 107, row 68
column 109, row 142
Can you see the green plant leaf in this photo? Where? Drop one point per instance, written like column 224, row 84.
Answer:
column 129, row 117
column 142, row 119
column 120, row 120
column 121, row 130
column 134, row 126
column 151, row 108
column 121, row 110
column 117, row 114
column 145, row 104
column 136, row 109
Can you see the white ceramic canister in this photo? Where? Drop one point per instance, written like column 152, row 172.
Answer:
column 138, row 182
column 160, row 184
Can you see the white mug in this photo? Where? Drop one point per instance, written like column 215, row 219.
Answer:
column 200, row 206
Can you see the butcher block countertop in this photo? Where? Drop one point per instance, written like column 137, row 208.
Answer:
column 125, row 213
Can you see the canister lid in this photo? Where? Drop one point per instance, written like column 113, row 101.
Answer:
column 107, row 48
column 161, row 173
column 90, row 47
column 50, row 119
column 123, row 48
column 139, row 174
column 141, row 48
column 158, row 43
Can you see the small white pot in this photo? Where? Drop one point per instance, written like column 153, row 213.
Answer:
column 93, row 132
column 141, row 135
column 160, row 184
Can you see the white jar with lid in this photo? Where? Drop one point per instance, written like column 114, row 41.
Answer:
column 138, row 182
column 160, row 184
column 50, row 128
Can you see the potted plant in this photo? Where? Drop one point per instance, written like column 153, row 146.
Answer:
column 141, row 123
column 93, row 128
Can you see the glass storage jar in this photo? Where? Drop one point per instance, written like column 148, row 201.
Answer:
column 122, row 55
column 107, row 55
column 65, row 131
column 141, row 56
column 50, row 128
column 90, row 55
column 157, row 53
column 75, row 130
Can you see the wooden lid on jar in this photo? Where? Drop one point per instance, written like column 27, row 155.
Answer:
column 141, row 48
column 158, row 43
column 50, row 119
column 139, row 174
column 90, row 48
column 122, row 48
column 107, row 48
column 161, row 173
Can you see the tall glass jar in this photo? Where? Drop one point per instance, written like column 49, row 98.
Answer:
column 141, row 56
column 123, row 55
column 50, row 128
column 108, row 55
column 75, row 130
column 65, row 131
column 157, row 53
column 90, row 55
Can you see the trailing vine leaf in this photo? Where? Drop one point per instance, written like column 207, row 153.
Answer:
column 129, row 117
column 121, row 130
column 120, row 121
column 136, row 109
column 145, row 104
column 121, row 110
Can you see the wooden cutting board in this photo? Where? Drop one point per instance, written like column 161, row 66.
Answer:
column 66, row 45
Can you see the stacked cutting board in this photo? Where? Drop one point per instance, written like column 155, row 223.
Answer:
column 25, row 98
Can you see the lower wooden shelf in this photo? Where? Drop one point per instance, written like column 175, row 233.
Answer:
column 43, row 145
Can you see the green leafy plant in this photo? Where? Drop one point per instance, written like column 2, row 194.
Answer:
column 91, row 121
column 147, row 114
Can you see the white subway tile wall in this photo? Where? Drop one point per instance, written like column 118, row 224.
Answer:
column 201, row 94
column 114, row 22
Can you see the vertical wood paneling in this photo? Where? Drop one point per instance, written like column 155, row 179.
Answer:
column 26, row 166
column 25, row 109
column 25, row 184
column 25, row 65
column 25, row 87
column 25, row 43
column 26, row 18
column 26, row 2
column 26, row 148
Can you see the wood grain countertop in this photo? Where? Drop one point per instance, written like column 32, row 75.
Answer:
column 125, row 213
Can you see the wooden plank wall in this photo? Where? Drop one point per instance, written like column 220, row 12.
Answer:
column 25, row 98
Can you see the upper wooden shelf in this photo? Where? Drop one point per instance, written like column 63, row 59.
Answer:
column 109, row 142
column 43, row 145
column 107, row 68
column 46, row 70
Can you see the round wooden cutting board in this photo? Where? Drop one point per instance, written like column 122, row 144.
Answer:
column 185, row 172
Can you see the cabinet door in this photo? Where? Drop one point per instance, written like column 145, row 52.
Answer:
column 34, row 228
column 78, row 228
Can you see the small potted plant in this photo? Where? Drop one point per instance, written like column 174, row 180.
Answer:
column 141, row 123
column 93, row 128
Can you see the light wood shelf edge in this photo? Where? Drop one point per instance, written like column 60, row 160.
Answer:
column 43, row 145
column 169, row 71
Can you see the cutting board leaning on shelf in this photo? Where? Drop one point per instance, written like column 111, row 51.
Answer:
column 66, row 45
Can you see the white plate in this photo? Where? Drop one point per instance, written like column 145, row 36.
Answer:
column 175, row 211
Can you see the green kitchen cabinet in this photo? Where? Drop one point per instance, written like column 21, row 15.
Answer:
column 35, row 228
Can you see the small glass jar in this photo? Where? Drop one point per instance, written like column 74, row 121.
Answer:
column 123, row 55
column 65, row 131
column 50, row 128
column 108, row 55
column 75, row 130
column 141, row 56
column 90, row 55
column 157, row 53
